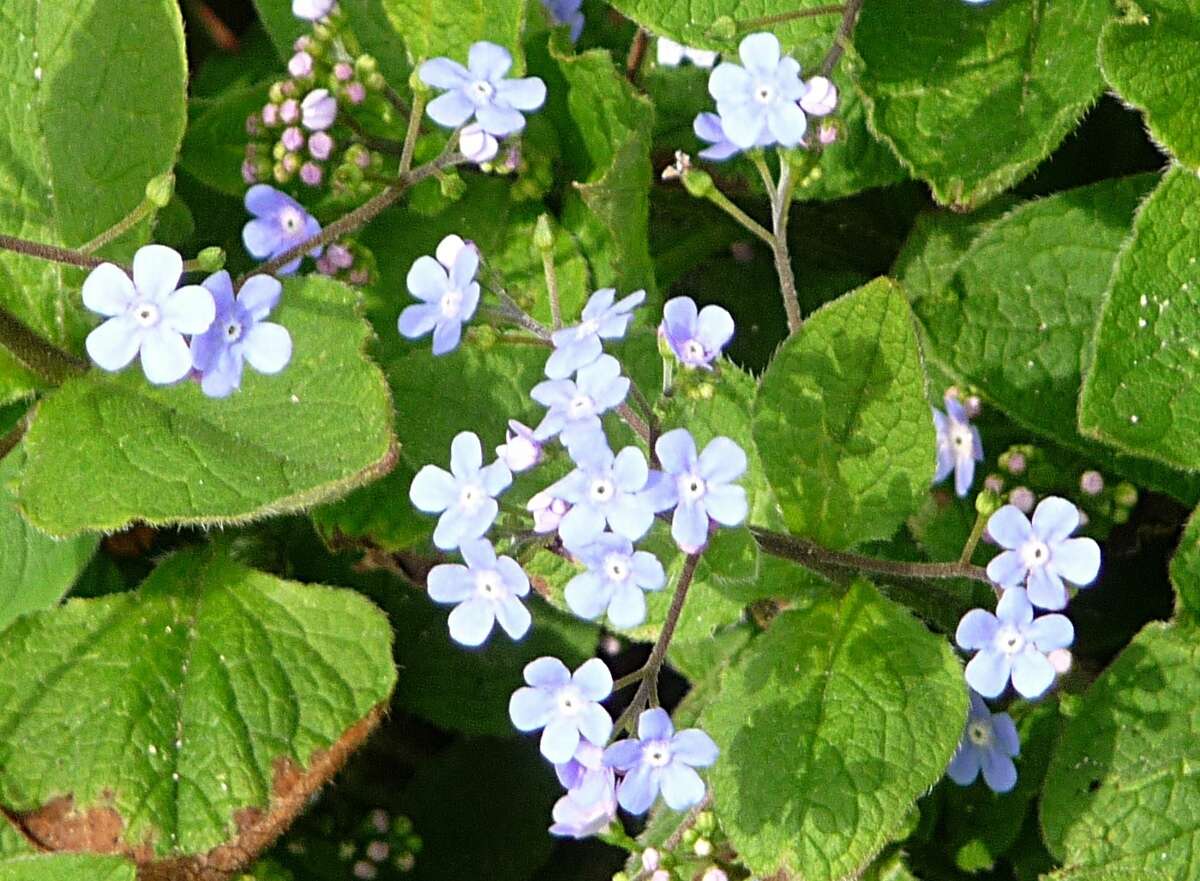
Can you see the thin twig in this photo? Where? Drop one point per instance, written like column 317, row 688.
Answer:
column 637, row 52
column 13, row 437
column 52, row 253
column 845, row 29
column 725, row 204
column 35, row 353
column 143, row 210
column 767, row 20
column 968, row 550
column 781, row 205
column 414, row 129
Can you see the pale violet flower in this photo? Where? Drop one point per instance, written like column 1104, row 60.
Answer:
column 702, row 484
column 480, row 90
column 488, row 589
column 672, row 54
column 449, row 298
column 1041, row 555
column 447, row 250
column 568, row 12
column 604, row 318
column 989, row 744
column 240, row 333
column 280, row 223
column 147, row 315
column 617, row 490
column 520, row 450
column 614, row 582
column 761, row 95
column 574, row 406
column 820, row 96
column 312, row 9
column 1012, row 644
column 661, row 759
column 465, row 496
column 565, row 706
column 709, row 129
column 591, row 800
column 959, row 446
column 695, row 336
column 318, row 110
column 477, row 145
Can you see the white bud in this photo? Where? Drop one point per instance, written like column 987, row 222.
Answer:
column 702, row 847
column 700, row 57
column 477, row 145
column 714, row 874
column 670, row 53
column 649, row 859
column 547, row 512
column 820, row 97
column 1060, row 660
column 521, row 451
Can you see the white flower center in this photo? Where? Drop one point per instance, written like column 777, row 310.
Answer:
column 1035, row 554
column 979, row 732
column 691, row 487
column 471, row 497
column 489, row 586
column 693, row 351
column 233, row 331
column 602, row 491
column 962, row 440
column 657, row 753
column 580, row 407
column 451, row 303
column 1009, row 640
column 764, row 93
column 146, row 314
column 570, row 701
column 617, row 568
column 291, row 221
column 588, row 328
column 482, row 90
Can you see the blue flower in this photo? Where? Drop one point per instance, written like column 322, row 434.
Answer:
column 578, row 346
column 483, row 592
column 989, row 744
column 280, row 223
column 520, row 450
column 239, row 333
column 617, row 490
column 565, row 706
column 1013, row 644
column 568, row 12
column 480, row 90
column 591, row 800
column 708, row 128
column 465, row 496
column 662, row 760
column 575, row 405
column 449, row 297
column 696, row 337
column 761, row 96
column 615, row 578
column 701, row 485
column 147, row 315
column 1040, row 554
column 959, row 446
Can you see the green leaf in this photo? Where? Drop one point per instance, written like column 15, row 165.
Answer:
column 66, row 867
column 1142, row 393
column 830, row 725
column 449, row 28
column 972, row 99
column 188, row 720
column 1122, row 790
column 1151, row 57
column 35, row 569
column 214, row 146
column 282, row 25
column 856, row 161
column 1185, row 566
column 94, row 106
column 105, row 450
column 842, row 420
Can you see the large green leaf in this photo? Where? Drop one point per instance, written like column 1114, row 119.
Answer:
column 106, row 450
column 66, row 867
column 1151, row 57
column 449, row 27
column 1185, row 566
column 94, row 106
column 1122, row 797
column 973, row 97
column 189, row 719
column 214, row 146
column 831, row 724
column 842, row 420
column 35, row 569
column 1143, row 390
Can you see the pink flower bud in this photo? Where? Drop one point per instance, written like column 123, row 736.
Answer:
column 292, row 139
column 288, row 87
column 521, row 451
column 311, row 9
column 1091, row 482
column 339, row 255
column 360, row 276
column 319, row 110
column 363, row 159
column 477, row 145
column 973, row 406
column 820, row 97
column 325, row 267
column 1016, row 463
column 547, row 512
column 356, row 93
column 249, row 172
column 253, row 124
column 1060, row 660
column 289, row 111
column 1022, row 499
column 311, row 173
column 343, row 71
column 828, row 134
column 649, row 859
column 320, row 145
column 714, row 874
column 301, row 43
column 270, row 115
column 300, row 64
column 994, row 483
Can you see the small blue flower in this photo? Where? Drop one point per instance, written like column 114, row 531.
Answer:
column 760, row 97
column 147, row 314
column 989, row 744
column 702, row 485
column 483, row 592
column 615, row 578
column 1040, row 554
column 449, row 298
column 565, row 706
column 617, row 490
column 568, row 12
column 575, row 405
column 591, row 800
column 520, row 450
column 695, row 336
column 603, row 319
column 239, row 333
column 959, row 446
column 662, row 760
column 480, row 90
column 709, row 129
column 1013, row 644
column 280, row 223
column 465, row 496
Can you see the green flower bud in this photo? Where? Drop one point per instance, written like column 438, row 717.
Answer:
column 365, row 65
column 987, row 503
column 1125, row 494
column 698, row 183
column 453, row 186
column 543, row 236
column 211, row 259
column 276, row 93
column 160, row 189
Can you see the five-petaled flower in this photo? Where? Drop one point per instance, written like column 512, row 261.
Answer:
column 239, row 333
column 1040, row 554
column 449, row 297
column 564, row 705
column 661, row 759
column 280, row 223
column 146, row 314
column 702, row 485
column 604, row 318
column 614, row 582
column 989, row 744
column 958, row 445
column 486, row 590
column 464, row 495
column 574, row 406
column 1012, row 644
column 695, row 336
column 480, row 90
column 568, row 12
column 760, row 98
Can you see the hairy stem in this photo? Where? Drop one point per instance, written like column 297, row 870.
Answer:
column 637, row 51
column 37, row 354
column 53, row 253
column 845, row 29
column 767, row 20
column 551, row 273
column 13, row 437
column 414, row 129
column 781, row 206
column 143, row 210
column 725, row 204
column 968, row 550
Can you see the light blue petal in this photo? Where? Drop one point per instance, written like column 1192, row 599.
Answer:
column 580, row 525
column 115, row 343
column 730, row 83
column 1014, row 607
column 627, row 608
column 471, row 622
column 531, row 708
column 680, row 317
column 964, row 476
column 488, row 61
column 449, row 583
column 446, row 336
column 528, row 93
column 727, row 504
column 1046, row 590
column 513, row 576
column 1077, row 560
column 572, row 356
column 499, row 121
column 689, row 526
column 682, row 787
column 496, row 478
column 1009, row 527
column 443, row 73
column 427, row 280
column 1050, row 632
column 988, row 673
column 1032, row 673
column 595, row 724
column 1005, row 730
column 648, row 572
column 1007, row 569
column 976, row 630
column 466, row 455
column 259, row 295
column 743, row 123
column 629, row 470
column 999, row 772
column 630, row 516
column 760, row 53
column 262, row 238
column 714, row 328
column 964, row 767
column 722, row 461
column 787, row 123
column 623, row 755
column 479, row 554
column 450, row 109
column 513, row 617
column 418, row 319
column 693, row 747
column 547, row 673
column 676, row 451
column 433, row 490
column 655, row 724
column 593, row 680
column 559, row 739
column 1054, row 519
column 639, row 789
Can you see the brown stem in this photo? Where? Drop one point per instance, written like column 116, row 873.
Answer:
column 780, row 18
column 52, row 253
column 637, row 52
column 10, row 440
column 845, row 29
column 781, row 205
column 35, row 353
column 414, row 129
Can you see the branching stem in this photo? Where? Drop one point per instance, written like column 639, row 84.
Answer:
column 781, row 205
column 842, row 37
column 53, row 253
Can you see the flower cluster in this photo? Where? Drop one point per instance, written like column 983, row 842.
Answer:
column 203, row 330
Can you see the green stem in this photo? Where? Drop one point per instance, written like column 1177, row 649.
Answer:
column 10, row 440
column 53, row 253
column 725, row 204
column 629, row 679
column 768, row 20
column 35, row 353
column 414, row 129
column 781, row 205
column 968, row 550
column 143, row 210
column 551, row 273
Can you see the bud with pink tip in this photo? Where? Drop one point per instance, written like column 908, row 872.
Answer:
column 521, row 451
column 1022, row 498
column 714, row 873
column 477, row 145
column 649, row 859
column 356, row 93
column 343, row 71
column 250, row 172
column 270, row 115
column 300, row 64
column 547, row 512
column 311, row 173
column 320, row 145
column 1060, row 660
column 292, row 139
column 821, row 97
column 339, row 255
column 360, row 276
column 827, row 134
column 253, row 124
column 319, row 109
column 1091, row 482
column 289, row 111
